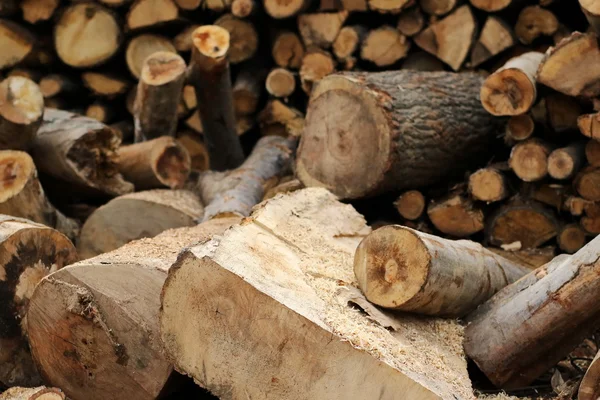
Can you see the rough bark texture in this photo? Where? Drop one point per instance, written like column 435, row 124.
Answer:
column 269, row 306
column 243, row 38
column 21, row 110
column 93, row 328
column 488, row 184
column 532, row 324
column 28, row 252
column 384, row 46
column 343, row 151
column 565, row 162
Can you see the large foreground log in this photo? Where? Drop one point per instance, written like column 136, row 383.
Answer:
column 135, row 216
column 93, row 328
column 367, row 133
column 28, row 252
column 263, row 312
column 404, row 269
column 532, row 324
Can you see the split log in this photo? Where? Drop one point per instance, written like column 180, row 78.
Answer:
column 404, row 269
column 437, row 7
column 565, row 67
column 21, row 110
column 287, row 50
column 105, row 85
column 488, row 184
column 456, row 215
column 95, row 340
column 384, row 46
column 22, row 195
column 247, row 89
column 38, row 393
column 591, row 221
column 520, row 333
column 389, row 6
column 587, row 183
column 280, row 82
column 196, row 149
column 410, row 204
column 158, row 94
column 533, row 22
column 308, row 297
column 519, row 128
column 589, row 388
column 281, row 120
column 284, row 9
column 592, row 13
column 495, row 37
column 527, row 222
column 35, row 11
column 150, row 13
column 54, row 85
column 592, row 152
column 565, row 162
column 16, row 43
column 101, row 112
column 243, row 38
column 529, row 159
column 31, row 74
column 589, row 125
column 321, row 29
column 244, row 8
column 366, row 133
column 571, row 238
column 81, row 24
column 450, row 48
column 143, row 46
column 79, row 151
column 530, row 258
column 210, row 77
column 411, row 21
column 235, row 192
column 511, row 90
column 316, row 64
column 28, row 252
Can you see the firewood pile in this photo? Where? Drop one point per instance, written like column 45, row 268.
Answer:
column 299, row 199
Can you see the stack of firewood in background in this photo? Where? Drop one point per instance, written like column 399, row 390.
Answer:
column 122, row 119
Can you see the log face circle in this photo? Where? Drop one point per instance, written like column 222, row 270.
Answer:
column 86, row 35
column 397, row 278
column 507, row 92
column 486, row 185
column 173, row 166
column 16, row 44
column 560, row 164
column 15, row 169
column 211, row 41
column 142, row 47
column 491, row 5
column 529, row 161
column 587, row 183
column 283, row 8
column 162, row 67
column 21, row 100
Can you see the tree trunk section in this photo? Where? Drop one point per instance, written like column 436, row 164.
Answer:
column 533, row 22
column 592, row 13
column 411, row 21
column 488, row 184
column 384, row 46
column 105, row 85
column 410, row 204
column 529, row 159
column 321, row 29
column 280, row 83
column 287, row 50
column 316, row 65
column 592, row 152
column 280, row 120
column 587, row 183
column 35, row 11
column 456, row 215
column 565, row 162
column 143, row 46
column 279, row 9
column 21, row 110
column 519, row 128
column 38, row 393
column 571, row 238
column 589, row 125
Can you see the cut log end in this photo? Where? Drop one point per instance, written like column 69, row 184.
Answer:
column 288, row 50
column 384, row 46
column 162, row 67
column 141, row 47
column 243, row 8
column 533, row 22
column 520, row 127
column 529, row 160
column 21, row 103
column 565, row 162
column 571, row 238
column 284, row 8
column 491, row 5
column 508, row 92
column 280, row 82
column 211, row 41
column 410, row 205
column 488, row 184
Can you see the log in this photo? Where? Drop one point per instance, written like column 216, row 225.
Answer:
column 592, row 152
column 28, row 252
column 587, row 183
column 21, row 110
column 437, row 7
column 93, row 328
column 565, row 162
column 151, row 13
column 284, row 9
column 488, row 184
column 495, row 37
column 591, row 221
column 79, row 151
column 403, row 269
column 158, row 92
column 550, row 194
column 280, row 83
column 493, row 5
column 38, row 393
column 592, row 13
column 530, row 258
column 22, row 195
column 244, row 8
column 410, row 204
column 571, row 238
column 589, row 388
column 247, row 89
column 35, row 11
column 533, row 22
column 188, row 5
column 284, row 233
column 321, row 29
column 411, row 21
column 143, row 46
column 243, row 38
column 348, row 42
column 210, row 77
column 183, row 40
column 519, row 128
column 389, row 6
column 527, row 222
column 287, row 50
column 384, row 46
column 520, row 333
column 529, row 159
column 572, row 58
column 279, row 119
column 378, row 139
column 450, row 48
column 105, row 85
column 511, row 90
column 195, row 147
column 16, row 42
column 217, row 6
column 316, row 64
column 55, row 84
column 589, row 125
column 456, row 215
column 235, row 192
column 101, row 112
column 81, row 24
column 575, row 205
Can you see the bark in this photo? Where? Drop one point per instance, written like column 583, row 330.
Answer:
column 592, row 152
column 384, row 46
column 404, row 269
column 530, row 258
column 105, row 85
column 450, row 38
column 35, row 11
column 587, row 183
column 520, row 333
column 321, row 29
column 280, row 83
column 519, row 128
column 93, row 327
column 347, row 43
column 456, row 215
column 316, row 64
column 529, row 159
column 287, row 50
column 38, row 393
column 411, row 21
column 284, row 9
column 422, row 61
column 210, row 76
column 511, row 90
column 143, row 46
column 281, row 120
column 565, row 162
column 533, row 22
column 161, row 162
column 589, row 388
column 158, row 93
column 151, row 13
column 571, row 238
column 86, row 35
column 410, row 204
column 235, row 192
column 572, row 57
column 379, row 139
column 243, row 38
column 495, row 37
column 591, row 221
column 589, row 125
column 21, row 110
column 28, row 252
column 438, row 7
column 242, row 296
column 592, row 13
column 488, row 184
column 79, row 151
column 16, row 43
